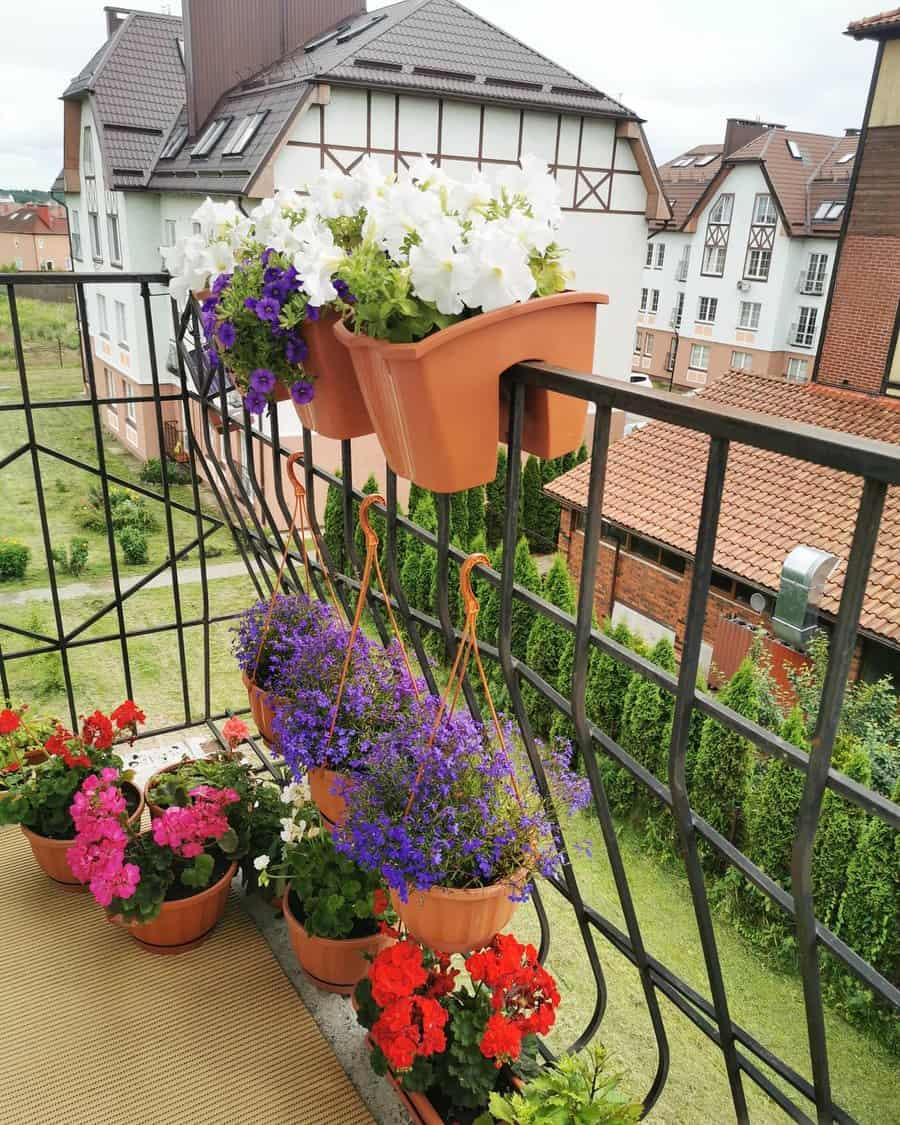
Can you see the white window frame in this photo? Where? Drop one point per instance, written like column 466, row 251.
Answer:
column 678, row 309
column 648, row 343
column 765, row 213
column 707, row 307
column 103, row 315
column 121, row 323
column 645, row 294
column 94, row 231
column 114, row 238
column 707, row 268
column 807, row 324
column 75, row 234
column 131, row 432
column 721, row 210
column 758, row 274
column 699, row 357
column 638, row 342
column 648, row 260
column 654, row 300
column 742, row 361
column 816, row 270
column 87, row 151
column 170, row 232
column 112, row 411
column 750, row 322
column 660, row 255
column 797, row 369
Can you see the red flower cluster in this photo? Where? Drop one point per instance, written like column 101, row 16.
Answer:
column 397, row 972
column 524, row 997
column 408, row 1027
column 9, row 721
column 98, row 732
column 63, row 744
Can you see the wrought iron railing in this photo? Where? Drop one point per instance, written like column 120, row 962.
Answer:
column 257, row 522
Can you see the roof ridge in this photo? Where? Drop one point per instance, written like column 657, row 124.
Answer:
column 350, row 46
column 540, row 54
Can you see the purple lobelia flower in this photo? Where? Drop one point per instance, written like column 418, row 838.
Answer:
column 302, row 392
column 254, row 401
column 267, row 308
column 226, row 334
column 295, row 350
column 262, row 380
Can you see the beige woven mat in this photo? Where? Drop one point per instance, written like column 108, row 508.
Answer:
column 96, row 1031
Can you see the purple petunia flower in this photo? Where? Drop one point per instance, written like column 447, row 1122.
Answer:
column 278, row 290
column 271, row 274
column 213, row 358
column 221, row 283
column 208, row 321
column 302, row 392
column 250, row 303
column 295, row 350
column 266, row 255
column 262, row 380
column 226, row 334
column 254, row 401
column 267, row 308
column 312, row 312
column 210, row 305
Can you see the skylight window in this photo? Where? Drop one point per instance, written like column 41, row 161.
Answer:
column 682, row 161
column 210, row 137
column 704, row 160
column 823, row 209
column 835, row 211
column 327, row 37
column 352, row 32
column 846, row 158
column 244, row 133
column 174, row 144
column 829, row 209
column 794, row 149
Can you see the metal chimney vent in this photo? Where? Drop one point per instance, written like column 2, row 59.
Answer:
column 803, row 577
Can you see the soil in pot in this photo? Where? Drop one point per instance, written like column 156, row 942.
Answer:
column 51, row 853
column 332, row 964
column 453, row 921
column 187, row 916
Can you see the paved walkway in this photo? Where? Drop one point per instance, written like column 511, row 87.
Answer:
column 86, row 589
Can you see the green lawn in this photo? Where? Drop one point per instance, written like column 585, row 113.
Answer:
column 767, row 1004
column 70, row 430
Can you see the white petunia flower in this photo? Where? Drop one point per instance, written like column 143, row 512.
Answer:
column 440, row 268
column 502, row 273
column 404, row 209
column 334, row 195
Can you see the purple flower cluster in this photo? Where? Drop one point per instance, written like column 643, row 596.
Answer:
column 291, row 649
column 377, row 693
column 466, row 826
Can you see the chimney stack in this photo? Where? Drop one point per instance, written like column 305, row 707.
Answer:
column 228, row 41
column 740, row 131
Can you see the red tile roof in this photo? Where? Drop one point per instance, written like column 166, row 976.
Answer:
column 771, row 502
column 874, row 27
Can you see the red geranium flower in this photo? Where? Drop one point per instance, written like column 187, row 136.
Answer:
column 397, row 972
column 58, row 743
column 409, row 1027
column 379, row 901
column 234, row 731
column 128, row 714
column 9, row 721
column 502, row 1040
column 97, row 731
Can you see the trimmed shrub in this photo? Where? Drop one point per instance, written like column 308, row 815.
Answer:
column 475, row 502
column 176, row 472
column 773, row 806
column 76, row 560
column 134, row 545
column 548, row 510
column 840, row 825
column 333, row 527
column 14, row 557
column 531, row 504
column 608, row 682
column 526, row 574
column 378, row 522
column 721, row 775
column 546, row 643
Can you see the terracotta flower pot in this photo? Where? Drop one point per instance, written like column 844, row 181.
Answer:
column 419, row 1106
column 185, row 922
column 452, row 921
column 436, row 405
column 52, row 856
column 154, row 809
column 262, row 706
column 337, row 409
column 333, row 965
column 330, row 804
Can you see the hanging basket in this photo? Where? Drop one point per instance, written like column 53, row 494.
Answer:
column 326, row 792
column 263, row 705
column 452, row 921
column 436, row 405
column 337, row 409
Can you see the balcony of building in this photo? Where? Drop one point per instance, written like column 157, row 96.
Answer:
column 231, row 1031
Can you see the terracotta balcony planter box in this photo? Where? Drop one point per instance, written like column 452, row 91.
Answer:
column 337, row 409
column 436, row 405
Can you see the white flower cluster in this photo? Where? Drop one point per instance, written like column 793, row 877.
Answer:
column 466, row 243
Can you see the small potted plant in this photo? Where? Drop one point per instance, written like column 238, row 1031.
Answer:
column 39, row 792
column 273, row 650
column 448, row 1034
column 453, row 820
column 454, row 283
column 168, row 886
column 336, row 912
column 272, row 303
column 575, row 1090
column 332, row 749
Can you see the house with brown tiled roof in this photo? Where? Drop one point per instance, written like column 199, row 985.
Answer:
column 773, row 504
column 34, row 237
column 245, row 97
column 737, row 278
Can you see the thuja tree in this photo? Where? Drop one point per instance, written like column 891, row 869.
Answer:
column 548, row 509
column 773, row 806
column 459, row 520
column 645, row 728
column 546, row 643
column 419, row 558
column 333, row 529
column 840, row 825
column 475, row 502
column 495, row 503
column 868, row 918
column 608, row 681
column 531, row 504
column 523, row 616
column 722, row 772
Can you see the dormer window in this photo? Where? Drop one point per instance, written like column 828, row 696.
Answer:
column 244, row 133
column 211, row 136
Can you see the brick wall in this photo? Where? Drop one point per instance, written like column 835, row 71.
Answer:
column 863, row 309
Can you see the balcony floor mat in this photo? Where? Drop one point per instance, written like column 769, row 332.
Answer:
column 95, row 1029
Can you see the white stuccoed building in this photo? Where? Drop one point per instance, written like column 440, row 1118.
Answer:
column 241, row 99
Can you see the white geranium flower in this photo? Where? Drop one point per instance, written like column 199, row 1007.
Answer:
column 297, row 793
column 261, row 862
column 502, row 273
column 440, row 269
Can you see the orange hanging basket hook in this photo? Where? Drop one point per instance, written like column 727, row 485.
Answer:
column 368, row 531
column 465, row 582
column 294, row 459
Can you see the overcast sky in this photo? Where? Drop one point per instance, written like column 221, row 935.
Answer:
column 684, row 67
